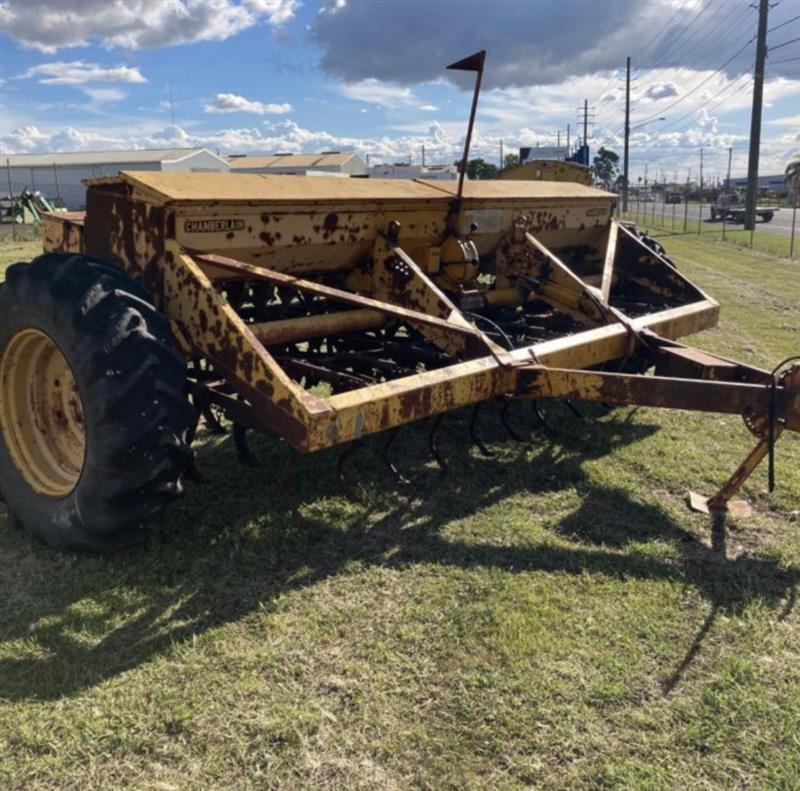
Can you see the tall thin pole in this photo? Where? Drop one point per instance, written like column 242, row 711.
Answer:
column 755, row 118
column 423, row 156
column 700, row 202
column 701, row 174
column 568, row 131
column 585, row 123
column 472, row 63
column 794, row 216
column 8, row 175
column 627, row 133
column 730, row 158
column 55, row 177
column 502, row 160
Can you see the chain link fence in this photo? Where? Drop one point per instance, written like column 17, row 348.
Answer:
column 695, row 217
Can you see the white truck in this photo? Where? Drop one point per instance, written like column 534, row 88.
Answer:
column 731, row 206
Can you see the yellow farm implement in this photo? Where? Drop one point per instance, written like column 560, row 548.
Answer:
column 181, row 295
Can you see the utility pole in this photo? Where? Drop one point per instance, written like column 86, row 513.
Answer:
column 423, row 156
column 568, row 139
column 627, row 134
column 755, row 118
column 730, row 157
column 701, row 174
column 502, row 160
column 585, row 122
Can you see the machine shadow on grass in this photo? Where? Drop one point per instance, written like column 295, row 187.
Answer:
column 240, row 540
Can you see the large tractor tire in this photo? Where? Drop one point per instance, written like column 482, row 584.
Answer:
column 94, row 418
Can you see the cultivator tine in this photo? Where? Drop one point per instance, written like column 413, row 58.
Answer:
column 246, row 456
column 212, row 421
column 432, row 447
column 572, row 408
column 400, row 479
column 540, row 415
column 476, row 440
column 504, row 419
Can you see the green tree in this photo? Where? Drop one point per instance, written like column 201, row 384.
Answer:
column 605, row 166
column 510, row 161
column 479, row 169
column 793, row 175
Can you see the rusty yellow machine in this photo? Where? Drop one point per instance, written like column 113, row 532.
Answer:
column 322, row 311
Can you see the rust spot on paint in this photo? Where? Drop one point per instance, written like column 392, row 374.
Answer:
column 331, row 222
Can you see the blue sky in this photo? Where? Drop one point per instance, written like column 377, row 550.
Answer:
column 259, row 76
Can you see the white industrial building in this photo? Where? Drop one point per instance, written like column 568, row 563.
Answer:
column 332, row 163
column 59, row 175
column 428, row 172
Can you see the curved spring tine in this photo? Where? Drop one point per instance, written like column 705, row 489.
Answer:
column 242, row 448
column 432, row 447
column 515, row 435
column 537, row 410
column 484, row 451
column 398, row 476
column 191, row 434
column 572, row 408
column 212, row 421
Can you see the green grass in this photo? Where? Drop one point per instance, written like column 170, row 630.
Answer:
column 553, row 617
column 11, row 252
column 733, row 235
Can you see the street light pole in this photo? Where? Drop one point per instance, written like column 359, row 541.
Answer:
column 627, row 133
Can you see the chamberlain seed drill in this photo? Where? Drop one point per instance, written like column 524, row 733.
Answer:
column 178, row 295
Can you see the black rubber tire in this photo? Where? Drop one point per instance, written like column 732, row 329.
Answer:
column 132, row 384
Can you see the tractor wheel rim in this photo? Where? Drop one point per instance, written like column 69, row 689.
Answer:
column 41, row 414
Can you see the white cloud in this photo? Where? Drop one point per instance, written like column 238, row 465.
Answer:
column 332, row 6
column 428, row 107
column 661, row 90
column 77, row 72
column 786, row 120
column 231, row 103
column 277, row 12
column 105, row 95
column 48, row 25
column 377, row 92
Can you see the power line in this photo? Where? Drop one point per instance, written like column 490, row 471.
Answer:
column 785, row 43
column 676, row 39
column 785, row 60
column 664, row 29
column 717, row 99
column 715, row 29
column 643, row 50
column 783, row 24
column 700, row 85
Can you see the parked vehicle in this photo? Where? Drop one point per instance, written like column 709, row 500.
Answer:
column 731, row 206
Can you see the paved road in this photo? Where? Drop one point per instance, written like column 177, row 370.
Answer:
column 781, row 223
